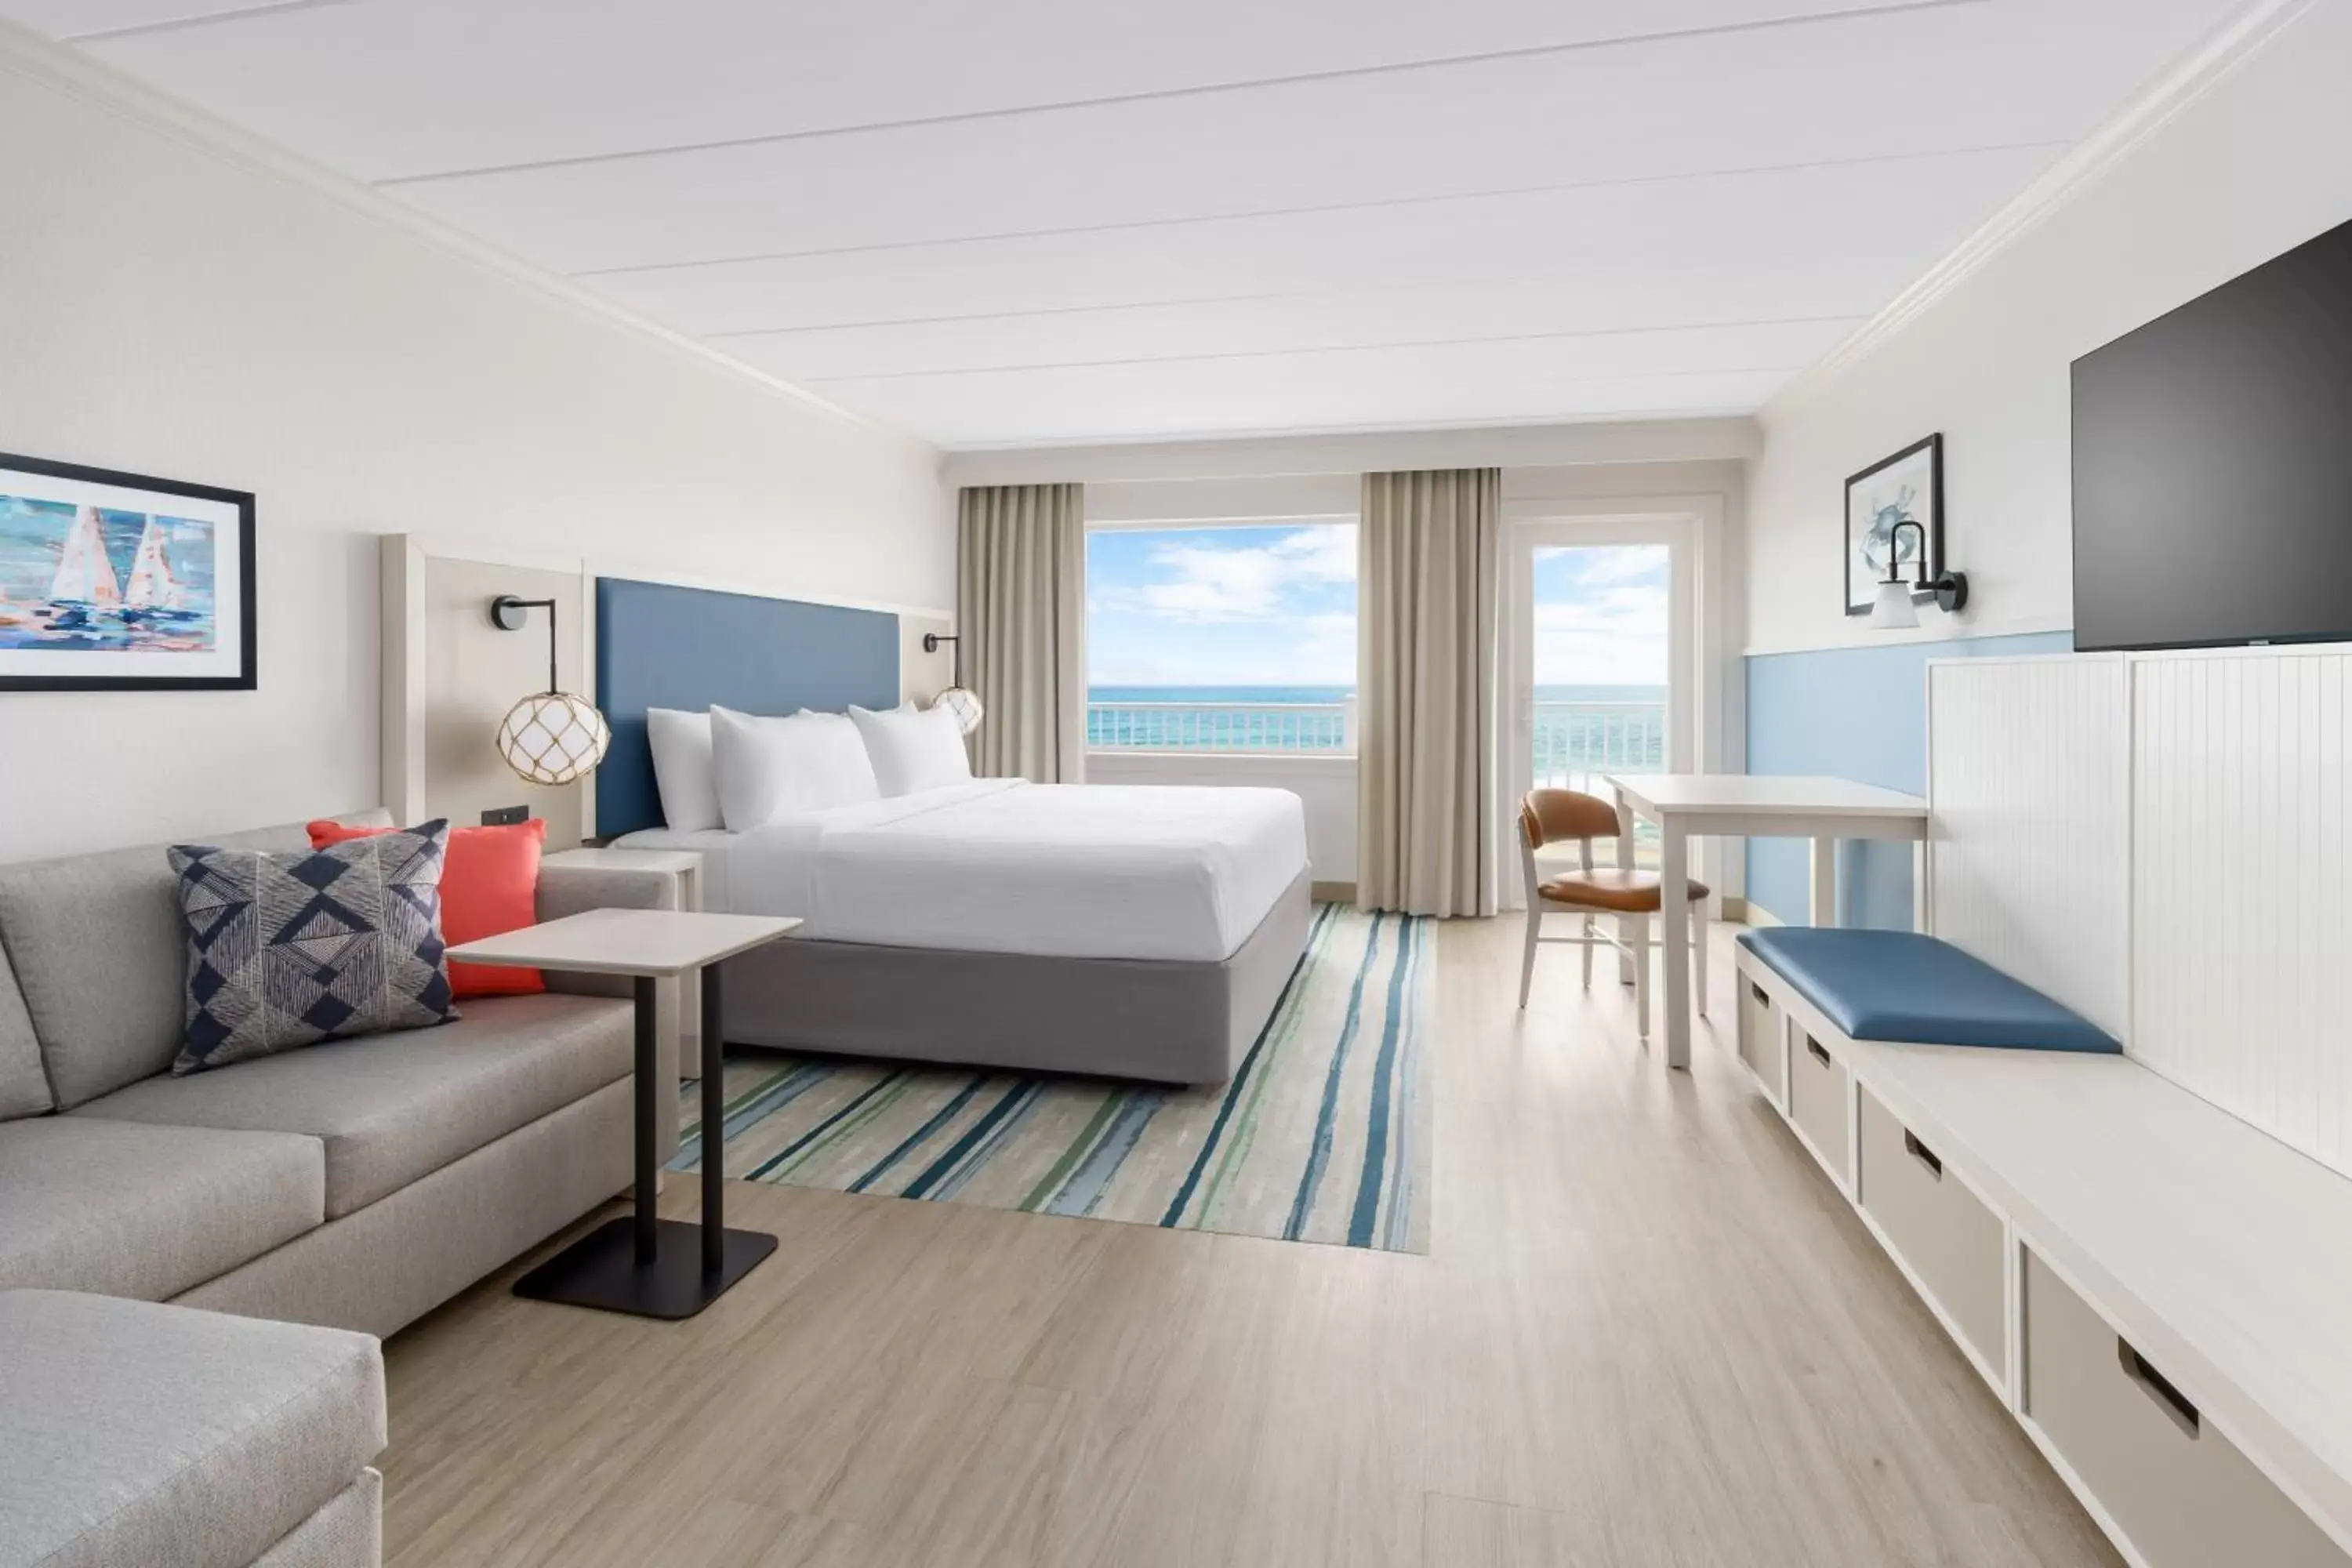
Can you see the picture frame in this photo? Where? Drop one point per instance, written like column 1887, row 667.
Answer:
column 1906, row 484
column 122, row 581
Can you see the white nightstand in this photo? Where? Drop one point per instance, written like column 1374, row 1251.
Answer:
column 683, row 1002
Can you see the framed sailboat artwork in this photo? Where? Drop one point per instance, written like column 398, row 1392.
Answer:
column 118, row 581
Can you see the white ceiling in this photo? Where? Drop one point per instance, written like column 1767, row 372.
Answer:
column 1011, row 222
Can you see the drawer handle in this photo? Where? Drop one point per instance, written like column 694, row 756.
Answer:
column 2154, row 1384
column 1921, row 1153
column 1821, row 1052
column 1758, row 991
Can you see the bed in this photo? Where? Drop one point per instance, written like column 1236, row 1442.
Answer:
column 1132, row 932
column 1128, row 931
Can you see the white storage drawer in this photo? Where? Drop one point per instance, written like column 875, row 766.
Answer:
column 1951, row 1241
column 2180, row 1492
column 1762, row 1042
column 1817, row 1100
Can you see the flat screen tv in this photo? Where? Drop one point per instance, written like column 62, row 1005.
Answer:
column 2213, row 465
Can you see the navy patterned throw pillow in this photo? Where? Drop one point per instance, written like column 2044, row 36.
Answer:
column 288, row 950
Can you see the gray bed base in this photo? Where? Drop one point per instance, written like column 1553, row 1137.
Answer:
column 1113, row 1017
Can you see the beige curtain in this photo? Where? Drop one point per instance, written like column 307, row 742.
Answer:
column 1021, row 558
column 1426, row 661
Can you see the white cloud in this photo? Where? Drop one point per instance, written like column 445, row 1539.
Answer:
column 1603, row 637
column 1201, row 582
column 1639, row 610
column 1597, row 565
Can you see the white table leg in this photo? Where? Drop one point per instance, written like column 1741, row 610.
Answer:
column 1824, row 911
column 1922, row 918
column 1624, row 860
column 1673, row 869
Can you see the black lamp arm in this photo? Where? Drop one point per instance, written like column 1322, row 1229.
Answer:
column 1948, row 589
column 1894, row 551
column 931, row 641
column 508, row 614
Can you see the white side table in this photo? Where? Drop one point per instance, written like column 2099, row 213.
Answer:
column 684, row 866
column 644, row 1264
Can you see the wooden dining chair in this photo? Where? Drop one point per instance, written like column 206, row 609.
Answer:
column 1596, row 893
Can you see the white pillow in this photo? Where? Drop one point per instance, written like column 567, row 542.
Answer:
column 769, row 768
column 913, row 749
column 682, row 770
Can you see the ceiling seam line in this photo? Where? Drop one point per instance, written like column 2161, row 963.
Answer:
column 1321, row 209
column 1301, row 79
column 1572, row 381
column 197, row 19
column 1347, row 348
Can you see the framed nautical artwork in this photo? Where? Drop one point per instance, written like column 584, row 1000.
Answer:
column 117, row 582
column 1906, row 488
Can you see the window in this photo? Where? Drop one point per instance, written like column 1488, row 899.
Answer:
column 1221, row 639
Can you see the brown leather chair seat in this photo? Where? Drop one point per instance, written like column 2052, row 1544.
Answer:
column 1596, row 893
column 1607, row 888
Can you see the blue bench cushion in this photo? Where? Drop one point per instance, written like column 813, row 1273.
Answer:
column 1899, row 985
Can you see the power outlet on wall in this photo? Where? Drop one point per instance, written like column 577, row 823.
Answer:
column 505, row 815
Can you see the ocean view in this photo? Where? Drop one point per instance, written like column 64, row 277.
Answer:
column 1578, row 729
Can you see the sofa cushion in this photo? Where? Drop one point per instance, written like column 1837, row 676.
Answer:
column 101, row 953
column 296, row 948
column 392, row 1108
column 127, row 1210
column 488, row 888
column 132, row 1432
column 24, row 1082
column 1899, row 985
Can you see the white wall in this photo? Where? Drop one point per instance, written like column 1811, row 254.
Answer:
column 177, row 300
column 2244, row 153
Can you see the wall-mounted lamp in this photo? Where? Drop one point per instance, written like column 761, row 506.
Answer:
column 551, row 737
column 956, row 700
column 1895, row 608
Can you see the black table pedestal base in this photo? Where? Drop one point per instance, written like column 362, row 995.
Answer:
column 601, row 1270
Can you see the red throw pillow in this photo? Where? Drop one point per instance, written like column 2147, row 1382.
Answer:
column 490, row 885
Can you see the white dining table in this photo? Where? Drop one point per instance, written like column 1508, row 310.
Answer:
column 1685, row 807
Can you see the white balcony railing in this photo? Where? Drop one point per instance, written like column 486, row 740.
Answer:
column 1328, row 728
column 1573, row 743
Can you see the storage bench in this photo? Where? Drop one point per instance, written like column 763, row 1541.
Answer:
column 2156, row 1290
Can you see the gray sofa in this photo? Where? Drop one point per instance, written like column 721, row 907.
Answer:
column 138, row 1435
column 355, row 1186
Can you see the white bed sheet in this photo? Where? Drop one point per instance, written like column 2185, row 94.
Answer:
column 1001, row 866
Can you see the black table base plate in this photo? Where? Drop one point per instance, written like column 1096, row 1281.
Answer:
column 601, row 1270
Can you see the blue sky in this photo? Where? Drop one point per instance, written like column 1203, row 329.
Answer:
column 1221, row 607
column 1276, row 606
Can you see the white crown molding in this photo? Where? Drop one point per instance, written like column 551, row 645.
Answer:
column 2188, row 79
column 1505, row 446
column 69, row 71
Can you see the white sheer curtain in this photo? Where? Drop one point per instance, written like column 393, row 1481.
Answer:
column 1020, row 555
column 1426, row 655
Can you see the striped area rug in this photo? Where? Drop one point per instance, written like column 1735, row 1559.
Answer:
column 1322, row 1135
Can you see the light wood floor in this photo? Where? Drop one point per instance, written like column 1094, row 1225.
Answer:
column 1649, row 1333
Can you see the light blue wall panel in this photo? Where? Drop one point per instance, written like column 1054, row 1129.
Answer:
column 1859, row 714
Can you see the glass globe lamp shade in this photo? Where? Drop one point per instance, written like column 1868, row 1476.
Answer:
column 960, row 703
column 554, row 736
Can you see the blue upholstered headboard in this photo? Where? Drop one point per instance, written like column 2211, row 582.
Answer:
column 664, row 647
